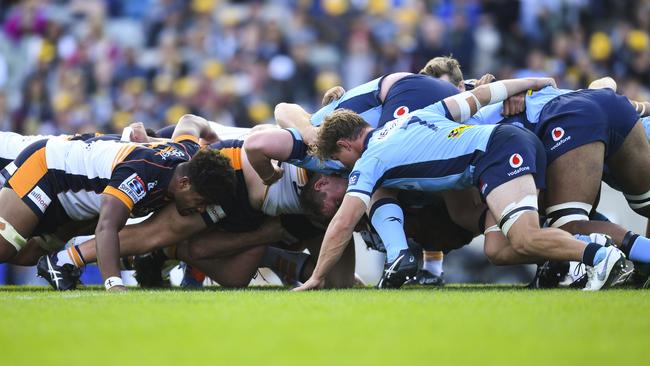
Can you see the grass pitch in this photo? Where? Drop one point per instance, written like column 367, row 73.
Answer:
column 457, row 325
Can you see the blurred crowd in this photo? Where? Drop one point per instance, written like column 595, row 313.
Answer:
column 87, row 65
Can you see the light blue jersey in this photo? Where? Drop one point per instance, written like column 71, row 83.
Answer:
column 535, row 102
column 422, row 151
column 363, row 99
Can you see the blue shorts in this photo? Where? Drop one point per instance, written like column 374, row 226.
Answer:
column 37, row 188
column 411, row 93
column 511, row 152
column 585, row 116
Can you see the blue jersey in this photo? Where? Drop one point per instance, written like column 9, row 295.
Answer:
column 421, row 151
column 646, row 125
column 410, row 93
column 363, row 99
column 535, row 102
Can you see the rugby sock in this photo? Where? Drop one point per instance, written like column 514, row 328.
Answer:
column 72, row 256
column 636, row 247
column 287, row 264
column 432, row 262
column 387, row 218
column 593, row 254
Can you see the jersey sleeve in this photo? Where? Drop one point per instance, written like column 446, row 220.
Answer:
column 300, row 157
column 189, row 143
column 318, row 117
column 364, row 178
column 127, row 185
column 440, row 109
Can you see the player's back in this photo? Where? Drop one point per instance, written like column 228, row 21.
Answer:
column 425, row 151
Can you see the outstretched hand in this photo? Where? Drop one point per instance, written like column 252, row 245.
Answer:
column 311, row 284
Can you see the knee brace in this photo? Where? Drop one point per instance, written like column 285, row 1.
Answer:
column 513, row 212
column 558, row 215
column 10, row 234
column 637, row 201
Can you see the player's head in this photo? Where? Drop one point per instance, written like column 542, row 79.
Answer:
column 208, row 178
column 445, row 68
column 338, row 135
column 322, row 195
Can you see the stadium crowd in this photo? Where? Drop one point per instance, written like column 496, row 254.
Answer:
column 69, row 66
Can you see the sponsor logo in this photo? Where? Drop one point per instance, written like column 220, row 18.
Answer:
column 151, row 185
column 354, row 177
column 557, row 133
column 559, row 143
column 518, row 170
column 483, row 188
column 456, row 132
column 170, row 151
column 516, row 160
column 400, row 111
column 39, row 197
column 393, row 218
column 134, row 187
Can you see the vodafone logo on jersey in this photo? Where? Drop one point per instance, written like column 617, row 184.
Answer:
column 399, row 112
column 557, row 133
column 516, row 160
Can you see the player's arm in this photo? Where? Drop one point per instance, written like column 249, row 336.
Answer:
column 164, row 228
column 112, row 217
column 264, row 146
column 289, row 115
column 192, row 125
column 462, row 106
column 337, row 237
column 332, row 94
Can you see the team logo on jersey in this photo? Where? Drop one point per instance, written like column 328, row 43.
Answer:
column 39, row 197
column 516, row 160
column 134, row 187
column 400, row 111
column 557, row 133
column 456, row 132
column 354, row 177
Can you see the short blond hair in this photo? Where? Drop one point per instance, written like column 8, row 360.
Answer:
column 444, row 65
column 340, row 124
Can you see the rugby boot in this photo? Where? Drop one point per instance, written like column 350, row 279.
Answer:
column 549, row 274
column 399, row 271
column 607, row 272
column 426, row 278
column 148, row 269
column 62, row 278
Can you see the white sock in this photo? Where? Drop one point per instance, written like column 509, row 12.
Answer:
column 63, row 257
column 432, row 262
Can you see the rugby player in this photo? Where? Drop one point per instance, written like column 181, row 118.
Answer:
column 231, row 248
column 441, row 155
column 54, row 182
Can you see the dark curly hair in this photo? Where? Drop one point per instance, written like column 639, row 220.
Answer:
column 211, row 175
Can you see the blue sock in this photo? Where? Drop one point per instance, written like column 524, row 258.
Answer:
column 388, row 219
column 593, row 254
column 640, row 250
column 584, row 238
column 600, row 255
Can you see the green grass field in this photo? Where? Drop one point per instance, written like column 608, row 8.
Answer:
column 457, row 325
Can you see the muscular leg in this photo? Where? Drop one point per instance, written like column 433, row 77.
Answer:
column 631, row 166
column 498, row 250
column 233, row 271
column 525, row 235
column 19, row 215
column 575, row 177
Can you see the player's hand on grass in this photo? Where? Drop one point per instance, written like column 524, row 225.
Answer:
column 514, row 105
column 311, row 284
column 333, row 94
column 485, row 79
column 277, row 174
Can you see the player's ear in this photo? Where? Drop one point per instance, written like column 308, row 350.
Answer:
column 343, row 144
column 321, row 183
column 184, row 182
